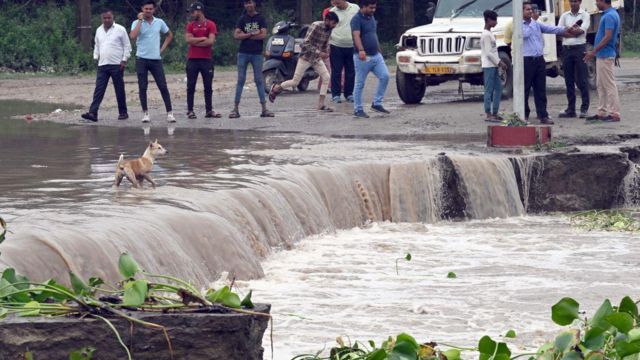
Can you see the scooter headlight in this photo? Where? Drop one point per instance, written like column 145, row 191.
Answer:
column 275, row 30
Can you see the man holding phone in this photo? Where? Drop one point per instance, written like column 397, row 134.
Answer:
column 573, row 50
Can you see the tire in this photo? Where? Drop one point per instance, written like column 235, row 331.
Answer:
column 506, row 77
column 303, row 85
column 271, row 77
column 591, row 71
column 409, row 90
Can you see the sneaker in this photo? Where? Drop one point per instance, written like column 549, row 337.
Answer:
column 350, row 99
column 380, row 109
column 336, row 100
column 584, row 114
column 89, row 116
column 123, row 116
column 546, row 121
column 567, row 114
column 146, row 118
column 361, row 114
column 171, row 118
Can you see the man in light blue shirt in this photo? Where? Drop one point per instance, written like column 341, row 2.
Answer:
column 605, row 51
column 535, row 72
column 146, row 30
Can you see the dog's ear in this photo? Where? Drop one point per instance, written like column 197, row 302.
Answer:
column 155, row 142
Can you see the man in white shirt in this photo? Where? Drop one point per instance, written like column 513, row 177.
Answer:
column 112, row 50
column 575, row 69
column 341, row 54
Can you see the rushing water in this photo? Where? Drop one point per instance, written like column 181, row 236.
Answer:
column 279, row 207
column 510, row 272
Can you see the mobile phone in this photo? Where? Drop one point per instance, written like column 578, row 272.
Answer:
column 579, row 22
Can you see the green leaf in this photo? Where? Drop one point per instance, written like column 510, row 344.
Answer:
column 3, row 313
column 407, row 257
column 231, row 300
column 32, row 308
column 594, row 338
column 403, row 350
column 28, row 355
column 135, row 293
column 603, row 311
column 95, row 281
column 18, row 281
column 452, row 354
column 246, row 302
column 79, row 287
column 572, row 355
column 628, row 306
column 621, row 321
column 49, row 294
column 595, row 355
column 634, row 335
column 451, row 275
column 624, row 348
column 127, row 266
column 404, row 337
column 215, row 296
column 82, row 354
column 510, row 334
column 486, row 345
column 379, row 354
column 566, row 340
column 565, row 311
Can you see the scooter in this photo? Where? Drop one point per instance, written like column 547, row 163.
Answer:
column 282, row 55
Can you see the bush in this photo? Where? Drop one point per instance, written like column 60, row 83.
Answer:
column 44, row 41
column 631, row 41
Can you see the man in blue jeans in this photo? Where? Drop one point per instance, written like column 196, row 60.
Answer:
column 367, row 58
column 251, row 29
column 146, row 31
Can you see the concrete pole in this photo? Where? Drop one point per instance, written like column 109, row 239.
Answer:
column 517, row 60
column 84, row 24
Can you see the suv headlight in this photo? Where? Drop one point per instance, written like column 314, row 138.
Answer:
column 473, row 44
column 409, row 42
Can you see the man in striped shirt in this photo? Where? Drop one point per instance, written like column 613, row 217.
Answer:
column 315, row 49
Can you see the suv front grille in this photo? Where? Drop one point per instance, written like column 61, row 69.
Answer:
column 442, row 45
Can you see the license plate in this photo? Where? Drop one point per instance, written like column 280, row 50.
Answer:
column 438, row 70
column 277, row 41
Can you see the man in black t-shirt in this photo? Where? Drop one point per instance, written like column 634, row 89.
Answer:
column 251, row 30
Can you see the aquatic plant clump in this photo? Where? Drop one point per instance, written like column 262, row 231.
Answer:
column 608, row 220
column 613, row 333
column 138, row 290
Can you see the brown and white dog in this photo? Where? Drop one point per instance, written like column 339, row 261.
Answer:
column 138, row 170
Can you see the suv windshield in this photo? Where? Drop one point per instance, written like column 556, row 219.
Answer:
column 472, row 8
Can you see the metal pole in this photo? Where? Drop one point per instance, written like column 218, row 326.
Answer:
column 517, row 60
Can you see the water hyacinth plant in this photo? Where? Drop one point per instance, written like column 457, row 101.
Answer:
column 138, row 291
column 613, row 333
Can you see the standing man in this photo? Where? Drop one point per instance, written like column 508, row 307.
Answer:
column 200, row 35
column 535, row 72
column 112, row 50
column 605, row 52
column 146, row 31
column 368, row 58
column 490, row 64
column 573, row 50
column 251, row 29
column 315, row 49
column 341, row 53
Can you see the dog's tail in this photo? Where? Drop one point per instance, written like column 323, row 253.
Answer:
column 120, row 162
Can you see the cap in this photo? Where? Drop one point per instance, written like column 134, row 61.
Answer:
column 196, row 6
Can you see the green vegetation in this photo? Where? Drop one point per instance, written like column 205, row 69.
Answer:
column 612, row 333
column 138, row 290
column 608, row 220
column 631, row 44
column 407, row 257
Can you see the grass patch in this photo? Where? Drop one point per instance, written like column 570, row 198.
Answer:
column 607, row 220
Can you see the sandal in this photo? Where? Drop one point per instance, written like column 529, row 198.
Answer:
column 213, row 114
column 325, row 108
column 267, row 113
column 191, row 115
column 234, row 114
column 273, row 93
